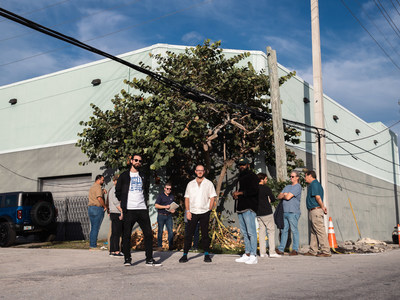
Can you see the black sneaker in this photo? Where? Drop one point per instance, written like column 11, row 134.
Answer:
column 207, row 258
column 153, row 263
column 128, row 262
column 183, row 259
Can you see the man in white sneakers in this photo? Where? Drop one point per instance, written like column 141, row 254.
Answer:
column 246, row 206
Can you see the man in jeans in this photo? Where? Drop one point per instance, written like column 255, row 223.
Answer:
column 291, row 196
column 96, row 209
column 164, row 216
column 130, row 190
column 246, row 208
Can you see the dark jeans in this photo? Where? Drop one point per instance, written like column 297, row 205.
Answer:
column 140, row 216
column 116, row 232
column 167, row 221
column 204, row 220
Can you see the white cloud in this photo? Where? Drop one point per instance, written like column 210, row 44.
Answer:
column 192, row 38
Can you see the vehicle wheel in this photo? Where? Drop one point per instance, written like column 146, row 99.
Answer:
column 7, row 234
column 43, row 213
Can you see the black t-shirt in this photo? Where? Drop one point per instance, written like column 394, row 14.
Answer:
column 264, row 207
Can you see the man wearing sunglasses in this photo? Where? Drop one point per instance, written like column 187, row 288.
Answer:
column 291, row 196
column 131, row 190
column 164, row 217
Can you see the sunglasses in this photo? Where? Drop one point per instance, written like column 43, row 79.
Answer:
column 168, row 188
column 293, row 176
column 137, row 160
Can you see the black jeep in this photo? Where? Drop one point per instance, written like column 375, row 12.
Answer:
column 25, row 213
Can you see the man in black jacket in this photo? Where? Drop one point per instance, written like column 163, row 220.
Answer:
column 246, row 206
column 130, row 190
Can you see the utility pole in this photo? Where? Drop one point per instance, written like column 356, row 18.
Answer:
column 279, row 140
column 319, row 120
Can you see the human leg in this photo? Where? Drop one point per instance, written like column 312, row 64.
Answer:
column 261, row 235
column 319, row 228
column 270, row 224
column 145, row 226
column 205, row 238
column 130, row 219
column 284, row 235
column 313, row 235
column 243, row 230
column 196, row 237
column 115, row 232
column 161, row 219
column 293, row 222
column 191, row 226
column 169, row 224
column 96, row 215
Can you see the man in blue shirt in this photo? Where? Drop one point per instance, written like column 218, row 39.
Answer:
column 164, row 216
column 291, row 196
column 316, row 211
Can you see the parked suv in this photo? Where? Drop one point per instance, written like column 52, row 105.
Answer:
column 24, row 213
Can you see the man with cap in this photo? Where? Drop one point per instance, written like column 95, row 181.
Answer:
column 246, row 197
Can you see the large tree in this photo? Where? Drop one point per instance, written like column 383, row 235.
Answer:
column 174, row 132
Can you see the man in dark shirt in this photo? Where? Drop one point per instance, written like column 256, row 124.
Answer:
column 265, row 217
column 247, row 204
column 164, row 216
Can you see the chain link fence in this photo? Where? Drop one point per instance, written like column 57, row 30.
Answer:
column 73, row 220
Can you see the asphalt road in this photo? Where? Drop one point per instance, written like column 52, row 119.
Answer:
column 83, row 274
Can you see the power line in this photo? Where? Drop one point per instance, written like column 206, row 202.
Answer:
column 79, row 18
column 376, row 26
column 40, row 9
column 359, row 22
column 387, row 17
column 111, row 33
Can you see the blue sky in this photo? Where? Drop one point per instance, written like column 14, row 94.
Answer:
column 356, row 72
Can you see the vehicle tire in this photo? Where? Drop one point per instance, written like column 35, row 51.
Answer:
column 43, row 213
column 7, row 234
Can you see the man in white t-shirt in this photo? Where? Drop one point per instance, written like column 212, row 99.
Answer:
column 130, row 190
column 200, row 197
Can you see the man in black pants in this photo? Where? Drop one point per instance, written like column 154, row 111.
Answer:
column 130, row 191
column 199, row 201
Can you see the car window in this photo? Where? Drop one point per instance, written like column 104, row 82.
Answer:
column 9, row 201
column 29, row 199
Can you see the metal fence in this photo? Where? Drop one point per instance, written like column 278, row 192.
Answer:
column 72, row 220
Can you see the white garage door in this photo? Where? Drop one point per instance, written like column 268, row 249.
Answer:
column 67, row 186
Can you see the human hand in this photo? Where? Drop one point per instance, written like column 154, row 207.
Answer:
column 172, row 211
column 188, row 215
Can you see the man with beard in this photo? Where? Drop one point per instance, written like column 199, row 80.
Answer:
column 199, row 201
column 246, row 206
column 130, row 191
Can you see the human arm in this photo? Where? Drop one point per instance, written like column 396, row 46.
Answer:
column 187, row 209
column 321, row 204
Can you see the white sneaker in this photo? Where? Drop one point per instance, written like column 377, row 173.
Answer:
column 252, row 260
column 274, row 255
column 262, row 255
column 243, row 258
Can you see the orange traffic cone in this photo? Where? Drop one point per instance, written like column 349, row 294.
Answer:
column 331, row 235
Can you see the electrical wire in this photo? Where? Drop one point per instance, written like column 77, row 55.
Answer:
column 79, row 18
column 40, row 9
column 376, row 26
column 378, row 44
column 111, row 33
column 387, row 17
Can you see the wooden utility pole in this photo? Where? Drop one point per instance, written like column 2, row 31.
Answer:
column 279, row 140
column 319, row 119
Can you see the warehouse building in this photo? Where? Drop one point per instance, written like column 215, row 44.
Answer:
column 40, row 121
